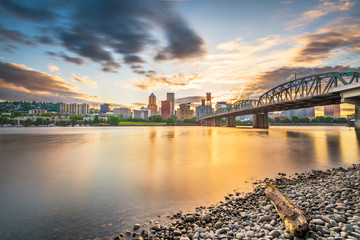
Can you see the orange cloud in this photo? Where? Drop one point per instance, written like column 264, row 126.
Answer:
column 21, row 82
column 162, row 82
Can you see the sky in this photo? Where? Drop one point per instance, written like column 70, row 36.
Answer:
column 119, row 52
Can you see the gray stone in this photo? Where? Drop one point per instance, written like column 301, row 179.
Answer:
column 218, row 225
column 239, row 235
column 264, row 218
column 318, row 222
column 274, row 233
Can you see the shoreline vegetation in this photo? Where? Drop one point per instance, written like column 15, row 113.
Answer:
column 330, row 199
column 46, row 120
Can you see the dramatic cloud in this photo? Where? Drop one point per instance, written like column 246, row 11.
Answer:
column 37, row 13
column 182, row 41
column 20, row 82
column 84, row 80
column 322, row 44
column 9, row 48
column 7, row 35
column 190, row 99
column 162, row 82
column 130, row 59
column 100, row 30
column 53, row 68
column 324, row 8
column 269, row 79
column 76, row 60
column 139, row 104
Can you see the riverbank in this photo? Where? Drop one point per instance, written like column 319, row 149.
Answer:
column 331, row 199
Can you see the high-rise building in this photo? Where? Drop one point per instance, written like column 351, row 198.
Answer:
column 166, row 109
column 171, row 97
column 104, row 108
column 152, row 104
column 203, row 110
column 185, row 111
column 125, row 112
column 74, row 108
column 307, row 112
column 141, row 113
column 332, row 111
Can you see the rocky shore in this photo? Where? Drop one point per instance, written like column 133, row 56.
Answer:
column 331, row 199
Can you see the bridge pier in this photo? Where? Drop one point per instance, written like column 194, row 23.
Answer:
column 231, row 121
column 260, row 120
column 357, row 117
column 202, row 123
column 216, row 122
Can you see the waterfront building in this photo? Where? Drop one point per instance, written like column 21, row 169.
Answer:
column 141, row 113
column 125, row 112
column 166, row 107
column 152, row 104
column 185, row 111
column 171, row 98
column 332, row 111
column 307, row 112
column 104, row 108
column 203, row 109
column 74, row 108
column 37, row 111
column 290, row 113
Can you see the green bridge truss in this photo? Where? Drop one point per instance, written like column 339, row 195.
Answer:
column 298, row 89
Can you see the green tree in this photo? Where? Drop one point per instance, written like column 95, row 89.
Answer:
column 18, row 114
column 171, row 121
column 28, row 122
column 96, row 119
column 295, row 119
column 113, row 120
column 277, row 120
column 271, row 120
column 39, row 121
column 156, row 118
column 286, row 120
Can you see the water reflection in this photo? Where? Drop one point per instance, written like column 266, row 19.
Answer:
column 95, row 182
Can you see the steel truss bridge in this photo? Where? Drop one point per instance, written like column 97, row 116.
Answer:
column 315, row 90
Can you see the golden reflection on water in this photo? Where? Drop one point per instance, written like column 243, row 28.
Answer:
column 137, row 172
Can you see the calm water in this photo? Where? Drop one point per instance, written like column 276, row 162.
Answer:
column 87, row 183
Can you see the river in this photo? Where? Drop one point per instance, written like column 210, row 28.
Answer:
column 93, row 183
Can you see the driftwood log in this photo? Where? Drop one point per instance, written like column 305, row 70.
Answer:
column 294, row 219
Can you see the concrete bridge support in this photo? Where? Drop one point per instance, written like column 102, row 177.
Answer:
column 260, row 120
column 208, row 123
column 216, row 122
column 357, row 117
column 231, row 121
column 202, row 123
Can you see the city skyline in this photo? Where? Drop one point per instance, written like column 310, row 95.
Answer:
column 119, row 52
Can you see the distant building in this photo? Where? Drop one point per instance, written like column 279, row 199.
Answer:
column 141, row 113
column 203, row 109
column 290, row 113
column 166, row 107
column 307, row 112
column 332, row 111
column 184, row 111
column 104, row 108
column 152, row 104
column 171, row 98
column 74, row 108
column 125, row 112
column 37, row 111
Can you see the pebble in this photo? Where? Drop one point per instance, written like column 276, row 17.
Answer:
column 331, row 199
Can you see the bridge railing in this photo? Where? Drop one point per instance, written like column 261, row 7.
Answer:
column 307, row 87
column 297, row 89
